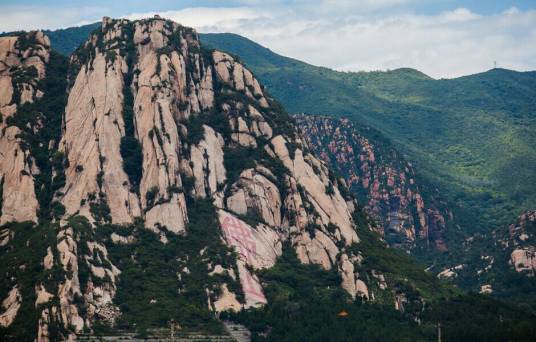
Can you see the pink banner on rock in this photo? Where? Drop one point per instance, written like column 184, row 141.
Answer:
column 239, row 235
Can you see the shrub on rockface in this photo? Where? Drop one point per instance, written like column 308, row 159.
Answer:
column 40, row 123
column 162, row 282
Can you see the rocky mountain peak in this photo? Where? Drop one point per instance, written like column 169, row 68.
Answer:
column 171, row 162
column 148, row 181
column 153, row 125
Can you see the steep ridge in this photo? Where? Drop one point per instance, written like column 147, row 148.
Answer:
column 489, row 175
column 23, row 62
column 408, row 211
column 171, row 83
column 176, row 191
column 472, row 136
column 33, row 85
column 411, row 216
column 208, row 139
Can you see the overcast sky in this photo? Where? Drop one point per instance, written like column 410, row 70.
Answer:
column 442, row 38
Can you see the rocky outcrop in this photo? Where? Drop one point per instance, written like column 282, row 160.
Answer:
column 10, row 307
column 206, row 159
column 89, row 277
column 379, row 176
column 449, row 273
column 227, row 301
column 521, row 243
column 23, row 61
column 159, row 86
column 524, row 260
column 507, row 270
column 253, row 193
column 94, row 126
column 70, row 287
column 234, row 75
column 158, row 134
column 257, row 247
column 350, row 279
column 19, row 202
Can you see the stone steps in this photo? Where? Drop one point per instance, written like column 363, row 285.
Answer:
column 236, row 332
column 131, row 337
column 239, row 332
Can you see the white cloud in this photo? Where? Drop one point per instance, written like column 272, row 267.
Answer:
column 216, row 18
column 448, row 44
column 14, row 18
column 362, row 5
column 459, row 14
column 352, row 35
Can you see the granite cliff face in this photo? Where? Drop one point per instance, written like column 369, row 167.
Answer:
column 23, row 61
column 407, row 212
column 158, row 135
column 522, row 243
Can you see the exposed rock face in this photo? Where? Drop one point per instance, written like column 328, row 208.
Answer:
column 380, row 177
column 93, row 129
column 18, row 196
column 256, row 194
column 227, row 301
column 235, row 76
column 70, row 287
column 156, row 128
column 156, row 96
column 79, row 255
column 448, row 273
column 486, row 289
column 23, row 62
column 10, row 307
column 521, row 243
column 207, row 163
column 350, row 280
column 524, row 260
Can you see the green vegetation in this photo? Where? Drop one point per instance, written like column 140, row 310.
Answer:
column 304, row 303
column 21, row 265
column 21, row 259
column 479, row 318
column 65, row 41
column 130, row 147
column 160, row 282
column 472, row 136
column 399, row 268
column 215, row 119
column 470, row 139
column 45, row 115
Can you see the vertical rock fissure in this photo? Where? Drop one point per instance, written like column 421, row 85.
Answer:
column 130, row 147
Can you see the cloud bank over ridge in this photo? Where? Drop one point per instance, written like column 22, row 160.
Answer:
column 346, row 35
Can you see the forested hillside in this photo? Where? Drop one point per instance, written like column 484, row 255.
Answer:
column 472, row 136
